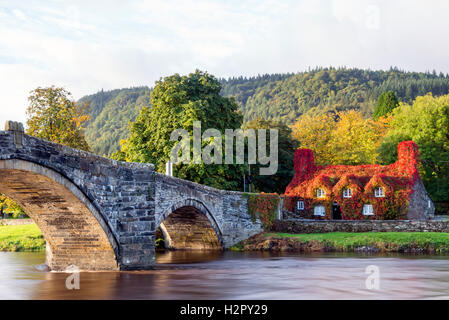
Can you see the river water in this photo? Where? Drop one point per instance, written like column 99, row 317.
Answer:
column 236, row 275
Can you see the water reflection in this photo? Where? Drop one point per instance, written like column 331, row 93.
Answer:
column 187, row 256
column 235, row 275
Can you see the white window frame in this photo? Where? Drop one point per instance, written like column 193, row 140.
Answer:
column 320, row 193
column 379, row 192
column 319, row 210
column 300, row 205
column 368, row 210
column 347, row 193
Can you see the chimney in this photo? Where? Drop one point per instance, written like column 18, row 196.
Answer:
column 304, row 163
column 408, row 157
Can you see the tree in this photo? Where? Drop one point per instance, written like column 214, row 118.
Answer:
column 54, row 116
column 355, row 140
column 176, row 102
column 426, row 122
column 386, row 103
column 286, row 151
column 8, row 205
column 341, row 138
column 315, row 133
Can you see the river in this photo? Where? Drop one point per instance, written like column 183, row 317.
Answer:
column 235, row 275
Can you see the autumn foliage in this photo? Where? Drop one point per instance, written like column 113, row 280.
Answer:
column 263, row 206
column 396, row 180
column 54, row 116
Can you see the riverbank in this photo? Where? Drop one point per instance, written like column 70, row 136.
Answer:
column 21, row 238
column 29, row 238
column 375, row 242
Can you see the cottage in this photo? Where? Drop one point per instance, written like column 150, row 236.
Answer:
column 374, row 192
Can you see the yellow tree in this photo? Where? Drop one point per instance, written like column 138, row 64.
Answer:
column 7, row 205
column 341, row 138
column 54, row 116
column 315, row 133
column 355, row 140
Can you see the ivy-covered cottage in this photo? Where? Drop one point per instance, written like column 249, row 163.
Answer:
column 359, row 192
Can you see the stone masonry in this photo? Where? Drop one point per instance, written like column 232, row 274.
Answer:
column 324, row 226
column 101, row 214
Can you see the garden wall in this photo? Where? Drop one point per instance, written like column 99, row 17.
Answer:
column 323, row 226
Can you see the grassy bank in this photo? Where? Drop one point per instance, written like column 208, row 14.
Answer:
column 21, row 238
column 412, row 242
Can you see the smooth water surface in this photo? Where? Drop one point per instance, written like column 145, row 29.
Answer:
column 235, row 275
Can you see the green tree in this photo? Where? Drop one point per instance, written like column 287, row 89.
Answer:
column 54, row 116
column 286, row 151
column 427, row 123
column 176, row 102
column 386, row 103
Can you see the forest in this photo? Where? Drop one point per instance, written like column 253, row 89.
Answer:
column 281, row 97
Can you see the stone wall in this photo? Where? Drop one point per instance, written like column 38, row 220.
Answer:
column 15, row 222
column 420, row 205
column 324, row 226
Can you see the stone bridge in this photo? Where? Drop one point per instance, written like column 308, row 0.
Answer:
column 100, row 214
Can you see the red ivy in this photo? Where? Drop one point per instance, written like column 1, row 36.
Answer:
column 264, row 206
column 396, row 179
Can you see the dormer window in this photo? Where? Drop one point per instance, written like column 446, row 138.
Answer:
column 300, row 205
column 368, row 210
column 320, row 193
column 347, row 193
column 379, row 192
column 319, row 211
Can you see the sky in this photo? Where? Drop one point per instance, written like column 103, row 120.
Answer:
column 86, row 46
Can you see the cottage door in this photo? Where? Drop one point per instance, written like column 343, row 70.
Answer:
column 336, row 211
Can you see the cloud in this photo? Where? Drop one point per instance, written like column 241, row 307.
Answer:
column 88, row 45
column 19, row 14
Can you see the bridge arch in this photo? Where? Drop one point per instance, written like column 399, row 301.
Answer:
column 189, row 224
column 75, row 231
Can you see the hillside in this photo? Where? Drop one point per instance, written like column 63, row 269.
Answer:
column 110, row 112
column 324, row 90
column 278, row 96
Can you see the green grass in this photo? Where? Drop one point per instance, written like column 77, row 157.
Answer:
column 21, row 238
column 389, row 241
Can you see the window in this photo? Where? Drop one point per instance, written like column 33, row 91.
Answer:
column 379, row 192
column 319, row 211
column 368, row 210
column 300, row 205
column 347, row 193
column 320, row 193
